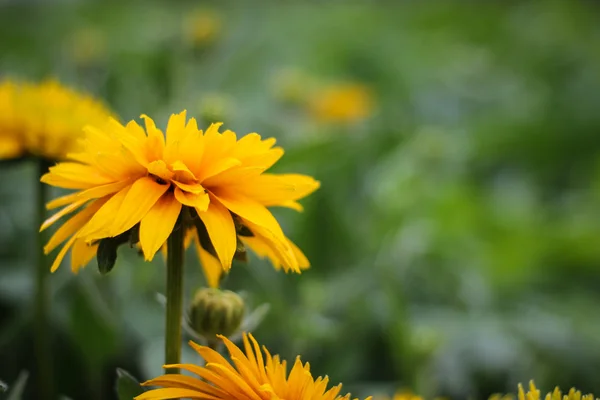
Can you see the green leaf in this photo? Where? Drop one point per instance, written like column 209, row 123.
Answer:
column 17, row 389
column 127, row 386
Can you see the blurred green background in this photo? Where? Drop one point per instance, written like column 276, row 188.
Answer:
column 454, row 240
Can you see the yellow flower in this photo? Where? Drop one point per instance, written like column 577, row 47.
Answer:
column 400, row 395
column 534, row 394
column 127, row 177
column 342, row 103
column 252, row 376
column 45, row 119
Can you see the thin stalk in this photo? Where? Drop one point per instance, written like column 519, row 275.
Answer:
column 174, row 297
column 42, row 329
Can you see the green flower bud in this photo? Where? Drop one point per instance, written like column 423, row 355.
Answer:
column 215, row 312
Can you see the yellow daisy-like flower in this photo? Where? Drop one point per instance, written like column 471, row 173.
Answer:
column 44, row 120
column 534, row 394
column 134, row 183
column 344, row 103
column 251, row 376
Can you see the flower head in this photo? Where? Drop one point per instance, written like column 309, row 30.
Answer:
column 131, row 179
column 45, row 119
column 251, row 376
column 534, row 394
column 343, row 103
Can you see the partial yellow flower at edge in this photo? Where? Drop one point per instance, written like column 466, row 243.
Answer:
column 128, row 175
column 251, row 376
column 44, row 120
column 342, row 103
column 534, row 394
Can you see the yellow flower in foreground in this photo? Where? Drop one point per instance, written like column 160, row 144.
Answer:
column 534, row 394
column 133, row 180
column 45, row 119
column 251, row 376
column 341, row 103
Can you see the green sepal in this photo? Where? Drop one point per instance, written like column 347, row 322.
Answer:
column 106, row 255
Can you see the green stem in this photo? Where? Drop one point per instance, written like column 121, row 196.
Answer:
column 42, row 328
column 174, row 297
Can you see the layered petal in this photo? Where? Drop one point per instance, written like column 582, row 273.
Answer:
column 158, row 224
column 221, row 230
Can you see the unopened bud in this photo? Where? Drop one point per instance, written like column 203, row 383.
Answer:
column 215, row 312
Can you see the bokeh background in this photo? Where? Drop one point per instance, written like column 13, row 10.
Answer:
column 455, row 239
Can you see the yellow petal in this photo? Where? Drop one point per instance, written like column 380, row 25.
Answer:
column 159, row 168
column 67, row 210
column 175, row 127
column 129, row 136
column 250, row 210
column 197, row 200
column 155, row 143
column 173, row 393
column 81, row 254
column 221, row 231
column 144, row 193
column 62, row 253
column 281, row 249
column 73, row 225
column 277, row 190
column 190, row 187
column 184, row 382
column 71, row 175
column 97, row 226
column 217, row 167
column 158, row 224
column 303, row 262
column 88, row 194
column 233, row 176
column 210, row 265
column 183, row 172
column 191, row 149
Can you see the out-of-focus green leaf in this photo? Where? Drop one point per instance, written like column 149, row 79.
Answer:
column 18, row 388
column 127, row 386
column 91, row 328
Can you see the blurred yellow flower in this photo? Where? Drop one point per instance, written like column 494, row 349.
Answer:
column 532, row 394
column 251, row 376
column 201, row 27
column 44, row 120
column 133, row 183
column 342, row 103
column 400, row 395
